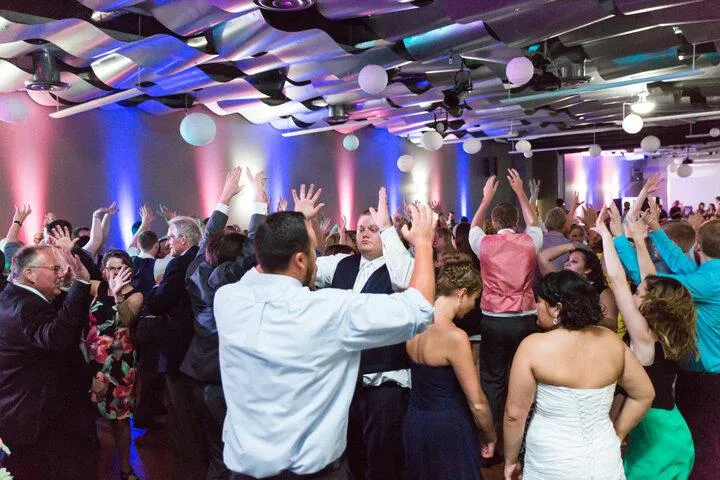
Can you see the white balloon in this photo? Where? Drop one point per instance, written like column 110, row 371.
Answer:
column 650, row 144
column 431, row 140
column 528, row 154
column 405, row 163
column 373, row 79
column 684, row 170
column 198, row 129
column 519, row 70
column 523, row 146
column 595, row 150
column 472, row 145
column 13, row 109
column 632, row 123
column 673, row 167
column 351, row 142
column 715, row 132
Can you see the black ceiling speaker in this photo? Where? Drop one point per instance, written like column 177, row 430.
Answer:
column 46, row 76
column 284, row 5
column 454, row 98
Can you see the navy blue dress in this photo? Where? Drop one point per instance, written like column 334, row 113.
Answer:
column 441, row 440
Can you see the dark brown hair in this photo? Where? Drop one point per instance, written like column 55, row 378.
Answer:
column 224, row 246
column 681, row 233
column 455, row 272
column 708, row 236
column 505, row 215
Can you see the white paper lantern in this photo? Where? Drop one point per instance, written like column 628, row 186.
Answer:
column 684, row 170
column 715, row 132
column 528, row 154
column 519, row 70
column 595, row 150
column 351, row 142
column 373, row 79
column 632, row 123
column 431, row 140
column 673, row 167
column 523, row 146
column 650, row 144
column 472, row 145
column 13, row 109
column 405, row 163
column 198, row 129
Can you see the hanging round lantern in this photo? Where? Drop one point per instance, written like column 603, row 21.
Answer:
column 595, row 150
column 13, row 109
column 684, row 170
column 471, row 145
column 405, row 163
column 715, row 132
column 351, row 142
column 523, row 146
column 650, row 144
column 198, row 129
column 528, row 154
column 431, row 140
column 632, row 124
column 373, row 79
column 519, row 70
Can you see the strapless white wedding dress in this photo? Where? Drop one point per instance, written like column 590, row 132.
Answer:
column 571, row 436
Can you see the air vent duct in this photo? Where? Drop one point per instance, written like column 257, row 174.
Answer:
column 284, row 5
column 46, row 77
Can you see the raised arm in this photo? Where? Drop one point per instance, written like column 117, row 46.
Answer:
column 128, row 308
column 397, row 258
column 641, row 337
column 574, row 204
column 546, row 256
column 105, row 223
column 99, row 223
column 21, row 213
column 420, row 236
column 652, row 184
column 219, row 216
column 638, row 230
column 437, row 208
column 146, row 218
column 489, row 190
column 516, row 183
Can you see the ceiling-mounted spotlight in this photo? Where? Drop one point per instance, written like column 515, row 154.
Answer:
column 284, row 5
column 46, row 77
column 643, row 106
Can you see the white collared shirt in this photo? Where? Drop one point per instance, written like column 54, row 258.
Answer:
column 289, row 361
column 31, row 289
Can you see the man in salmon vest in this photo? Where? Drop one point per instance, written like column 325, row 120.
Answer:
column 507, row 265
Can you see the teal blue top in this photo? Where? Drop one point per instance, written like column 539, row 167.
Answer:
column 702, row 281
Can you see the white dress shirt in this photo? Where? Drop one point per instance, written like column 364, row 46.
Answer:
column 289, row 361
column 402, row 264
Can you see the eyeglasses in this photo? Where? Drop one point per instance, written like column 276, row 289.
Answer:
column 114, row 269
column 56, row 268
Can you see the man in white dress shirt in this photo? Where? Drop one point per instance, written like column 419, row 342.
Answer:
column 289, row 357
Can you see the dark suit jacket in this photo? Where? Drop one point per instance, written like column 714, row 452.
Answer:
column 143, row 278
column 170, row 298
column 202, row 360
column 34, row 341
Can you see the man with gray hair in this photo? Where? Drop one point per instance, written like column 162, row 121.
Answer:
column 170, row 300
column 34, row 340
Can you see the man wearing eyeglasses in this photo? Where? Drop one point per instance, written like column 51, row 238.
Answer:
column 34, row 339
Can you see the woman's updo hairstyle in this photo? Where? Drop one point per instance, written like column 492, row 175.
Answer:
column 457, row 271
column 579, row 299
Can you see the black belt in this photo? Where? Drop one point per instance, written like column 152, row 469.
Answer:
column 286, row 474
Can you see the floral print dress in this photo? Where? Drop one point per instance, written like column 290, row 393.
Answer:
column 110, row 350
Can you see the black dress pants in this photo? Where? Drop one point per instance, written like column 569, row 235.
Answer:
column 375, row 442
column 184, row 422
column 210, row 404
column 499, row 339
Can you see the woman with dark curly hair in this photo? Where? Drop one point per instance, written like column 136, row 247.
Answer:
column 447, row 404
column 660, row 321
column 570, row 372
column 586, row 263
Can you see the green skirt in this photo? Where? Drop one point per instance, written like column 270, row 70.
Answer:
column 661, row 447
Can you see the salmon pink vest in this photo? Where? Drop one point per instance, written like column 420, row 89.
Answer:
column 507, row 265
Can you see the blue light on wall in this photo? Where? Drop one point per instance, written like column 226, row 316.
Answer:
column 389, row 148
column 278, row 163
column 462, row 166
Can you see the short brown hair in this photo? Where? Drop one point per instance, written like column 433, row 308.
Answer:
column 505, row 215
column 555, row 219
column 147, row 240
column 708, row 237
column 681, row 233
column 224, row 246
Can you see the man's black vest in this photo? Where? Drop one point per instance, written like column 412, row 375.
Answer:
column 374, row 360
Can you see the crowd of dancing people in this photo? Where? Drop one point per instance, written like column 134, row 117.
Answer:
column 580, row 343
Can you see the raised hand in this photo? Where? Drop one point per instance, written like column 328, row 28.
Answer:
column 534, row 188
column 637, row 229
column 109, row 210
column 166, row 213
column 696, row 220
column 119, row 281
column 258, row 183
column 21, row 213
column 423, row 225
column 589, row 215
column 60, row 237
column 491, row 186
column 49, row 217
column 282, row 205
column 435, row 206
column 231, row 187
column 342, row 228
column 653, row 183
column 651, row 216
column 75, row 268
column 615, row 219
column 306, row 202
column 516, row 182
column 381, row 216
column 146, row 214
column 325, row 226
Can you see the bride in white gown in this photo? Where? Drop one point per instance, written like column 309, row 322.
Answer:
column 570, row 372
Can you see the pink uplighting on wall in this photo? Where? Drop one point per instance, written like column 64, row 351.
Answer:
column 210, row 174
column 28, row 172
column 345, row 179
